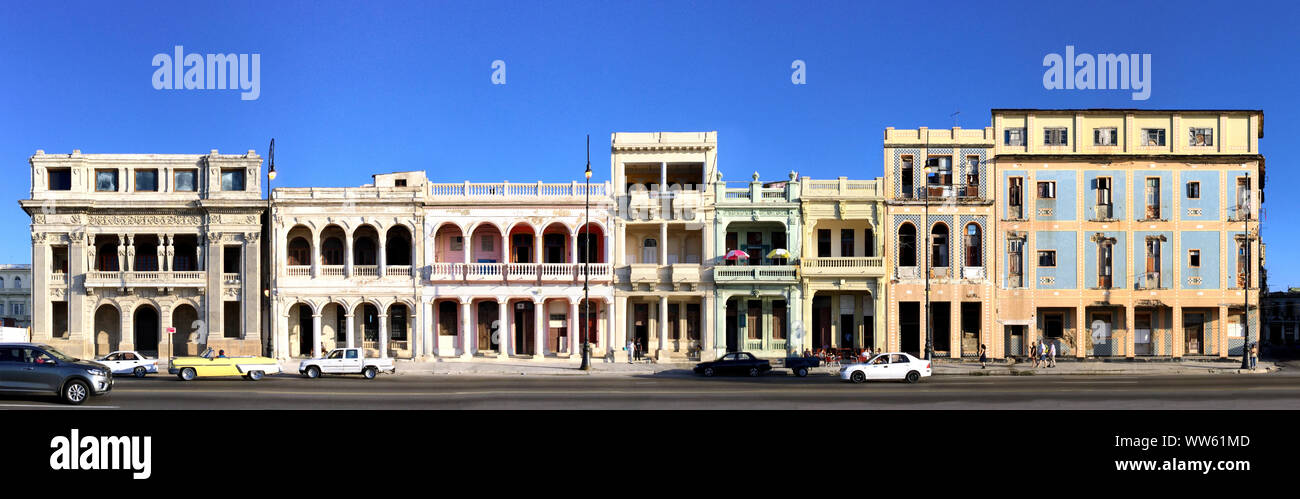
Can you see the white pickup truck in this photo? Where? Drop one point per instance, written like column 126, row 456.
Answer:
column 345, row 361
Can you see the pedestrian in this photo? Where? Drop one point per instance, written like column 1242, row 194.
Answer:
column 1254, row 355
column 983, row 355
column 1042, row 354
column 631, row 350
column 1033, row 353
column 1052, row 355
column 637, row 346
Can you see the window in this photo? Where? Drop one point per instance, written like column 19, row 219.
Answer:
column 457, row 243
column 397, row 322
column 1047, row 258
column 485, row 243
column 1103, row 190
column 18, row 282
column 1047, row 190
column 1056, row 137
column 1200, row 137
column 907, row 174
column 869, row 244
column 106, row 180
column 1015, row 196
column 230, row 259
column 146, row 180
column 1105, row 264
column 1193, row 190
column 232, row 320
column 184, row 181
column 60, row 179
column 974, row 246
column 1105, row 136
column 846, row 242
column 1194, row 258
column 399, row 182
column 232, row 179
column 1153, row 136
column 939, row 246
column 1153, row 198
column 907, row 245
column 823, row 243
column 1243, row 197
column 1013, row 137
column 940, row 170
column 298, row 252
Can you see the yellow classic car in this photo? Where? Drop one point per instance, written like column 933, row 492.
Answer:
column 211, row 364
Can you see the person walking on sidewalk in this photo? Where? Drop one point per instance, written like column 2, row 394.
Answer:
column 1033, row 353
column 1052, row 356
column 631, row 351
column 638, row 349
column 983, row 355
column 1254, row 355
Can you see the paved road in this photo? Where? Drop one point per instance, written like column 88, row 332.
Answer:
column 685, row 392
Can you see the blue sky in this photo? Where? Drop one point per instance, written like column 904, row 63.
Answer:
column 352, row 89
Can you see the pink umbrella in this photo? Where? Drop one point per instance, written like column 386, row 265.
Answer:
column 736, row 255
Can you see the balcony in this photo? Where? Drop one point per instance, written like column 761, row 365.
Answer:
column 1239, row 214
column 115, row 279
column 949, row 192
column 685, row 273
column 758, row 274
column 59, row 278
column 1103, row 213
column 672, row 204
column 230, row 279
column 849, row 266
column 754, row 192
column 511, row 191
column 973, row 273
column 513, row 272
column 841, row 188
column 643, row 273
column 1149, row 280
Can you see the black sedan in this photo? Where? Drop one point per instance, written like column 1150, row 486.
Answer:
column 734, row 363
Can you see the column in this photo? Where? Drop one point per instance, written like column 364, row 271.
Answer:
column 504, row 335
column 464, row 332
column 1081, row 332
column 315, row 334
column 663, row 327
column 955, row 345
column 539, row 328
column 611, row 342
column 130, row 253
column 620, row 330
column 42, row 326
column 664, row 202
column 1178, row 343
column 77, row 265
column 315, row 254
column 351, row 331
column 663, row 243
column 212, row 296
column 575, row 328
column 1131, row 320
column 347, row 255
column 382, row 257
column 806, row 340
column 429, row 329
column 383, row 334
column 573, row 248
column 251, row 295
column 1219, row 334
column 537, row 248
column 126, row 333
column 171, row 253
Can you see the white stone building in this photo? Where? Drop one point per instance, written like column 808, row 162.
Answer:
column 16, row 295
column 154, row 252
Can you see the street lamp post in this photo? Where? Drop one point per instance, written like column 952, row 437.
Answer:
column 1245, row 313
column 929, row 331
column 586, row 266
column 270, row 233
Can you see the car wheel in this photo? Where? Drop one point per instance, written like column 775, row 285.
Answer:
column 913, row 377
column 75, row 392
column 139, row 372
column 255, row 375
column 801, row 372
column 312, row 372
column 188, row 374
column 857, row 377
column 708, row 372
column 369, row 373
column 753, row 372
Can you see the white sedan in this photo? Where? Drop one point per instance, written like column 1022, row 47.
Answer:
column 892, row 366
column 129, row 362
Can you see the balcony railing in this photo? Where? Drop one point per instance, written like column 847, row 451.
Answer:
column 59, row 278
column 840, row 188
column 403, row 271
column 946, row 192
column 516, row 272
column 365, row 271
column 147, row 278
column 513, row 190
column 298, row 270
column 230, row 279
column 332, row 270
column 760, row 273
column 754, row 192
column 1150, row 280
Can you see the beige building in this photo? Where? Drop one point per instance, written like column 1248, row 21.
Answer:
column 843, row 266
column 15, row 295
column 152, row 252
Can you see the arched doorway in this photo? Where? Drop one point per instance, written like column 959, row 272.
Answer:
column 108, row 332
column 146, row 330
column 185, row 341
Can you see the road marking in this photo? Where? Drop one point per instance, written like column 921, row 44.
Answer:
column 803, row 391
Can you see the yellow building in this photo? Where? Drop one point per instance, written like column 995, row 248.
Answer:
column 1122, row 232
column 842, row 270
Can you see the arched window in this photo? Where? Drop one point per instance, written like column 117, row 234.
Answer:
column 2, row 282
column 332, row 251
column 939, row 245
column 650, row 250
column 18, row 282
column 363, row 251
column 974, row 246
column 907, row 245
column 299, row 252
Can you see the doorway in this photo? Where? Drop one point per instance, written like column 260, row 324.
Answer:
column 821, row 322
column 146, row 331
column 941, row 325
column 1194, row 332
column 489, row 326
column 641, row 325
column 909, row 327
column 525, row 343
column 732, row 327
column 305, row 331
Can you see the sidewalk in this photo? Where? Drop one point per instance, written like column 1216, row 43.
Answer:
column 944, row 367
column 948, row 367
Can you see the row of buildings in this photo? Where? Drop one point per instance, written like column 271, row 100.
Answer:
column 1110, row 232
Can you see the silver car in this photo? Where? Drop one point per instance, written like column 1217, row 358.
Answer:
column 37, row 368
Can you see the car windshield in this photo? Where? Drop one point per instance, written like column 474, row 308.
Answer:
column 207, row 354
column 58, row 355
column 337, row 354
